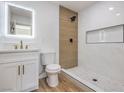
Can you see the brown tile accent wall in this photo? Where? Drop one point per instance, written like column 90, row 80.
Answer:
column 67, row 50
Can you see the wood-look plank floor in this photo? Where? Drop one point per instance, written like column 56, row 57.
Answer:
column 65, row 85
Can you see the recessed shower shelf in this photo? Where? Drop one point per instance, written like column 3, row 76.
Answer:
column 112, row 34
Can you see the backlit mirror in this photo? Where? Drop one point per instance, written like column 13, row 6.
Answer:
column 19, row 21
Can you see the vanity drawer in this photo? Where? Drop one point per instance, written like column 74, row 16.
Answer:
column 17, row 57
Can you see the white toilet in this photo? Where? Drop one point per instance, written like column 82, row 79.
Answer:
column 52, row 69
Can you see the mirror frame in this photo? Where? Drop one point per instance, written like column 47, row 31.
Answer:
column 7, row 23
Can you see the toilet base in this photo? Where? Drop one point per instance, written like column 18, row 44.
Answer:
column 52, row 80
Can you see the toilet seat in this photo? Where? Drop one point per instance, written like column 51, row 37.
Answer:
column 53, row 68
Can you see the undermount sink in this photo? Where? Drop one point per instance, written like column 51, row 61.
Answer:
column 18, row 50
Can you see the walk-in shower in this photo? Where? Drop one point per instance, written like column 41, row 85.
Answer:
column 100, row 47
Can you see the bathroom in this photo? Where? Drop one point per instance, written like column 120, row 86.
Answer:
column 93, row 58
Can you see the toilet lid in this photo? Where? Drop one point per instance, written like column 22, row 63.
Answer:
column 53, row 67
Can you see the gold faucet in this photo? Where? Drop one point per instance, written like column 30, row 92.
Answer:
column 21, row 44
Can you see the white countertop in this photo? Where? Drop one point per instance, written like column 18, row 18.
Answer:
column 18, row 50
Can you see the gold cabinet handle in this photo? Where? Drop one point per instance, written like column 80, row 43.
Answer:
column 19, row 70
column 23, row 70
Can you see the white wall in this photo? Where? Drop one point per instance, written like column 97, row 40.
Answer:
column 1, row 20
column 103, row 59
column 46, row 24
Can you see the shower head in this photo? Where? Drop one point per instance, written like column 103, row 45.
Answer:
column 73, row 18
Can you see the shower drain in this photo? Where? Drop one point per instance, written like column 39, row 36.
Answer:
column 95, row 80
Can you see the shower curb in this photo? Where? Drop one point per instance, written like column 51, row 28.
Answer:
column 86, row 87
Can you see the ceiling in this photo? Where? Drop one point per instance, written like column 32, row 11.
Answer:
column 75, row 5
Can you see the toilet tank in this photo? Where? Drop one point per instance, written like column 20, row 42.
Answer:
column 48, row 58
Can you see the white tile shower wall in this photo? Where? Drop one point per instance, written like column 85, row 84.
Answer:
column 103, row 59
column 46, row 24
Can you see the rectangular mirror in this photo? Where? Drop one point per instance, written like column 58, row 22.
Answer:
column 19, row 21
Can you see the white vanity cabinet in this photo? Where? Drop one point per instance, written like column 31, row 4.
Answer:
column 9, row 78
column 19, row 70
column 29, row 75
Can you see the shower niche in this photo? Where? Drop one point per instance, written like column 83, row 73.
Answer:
column 113, row 34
